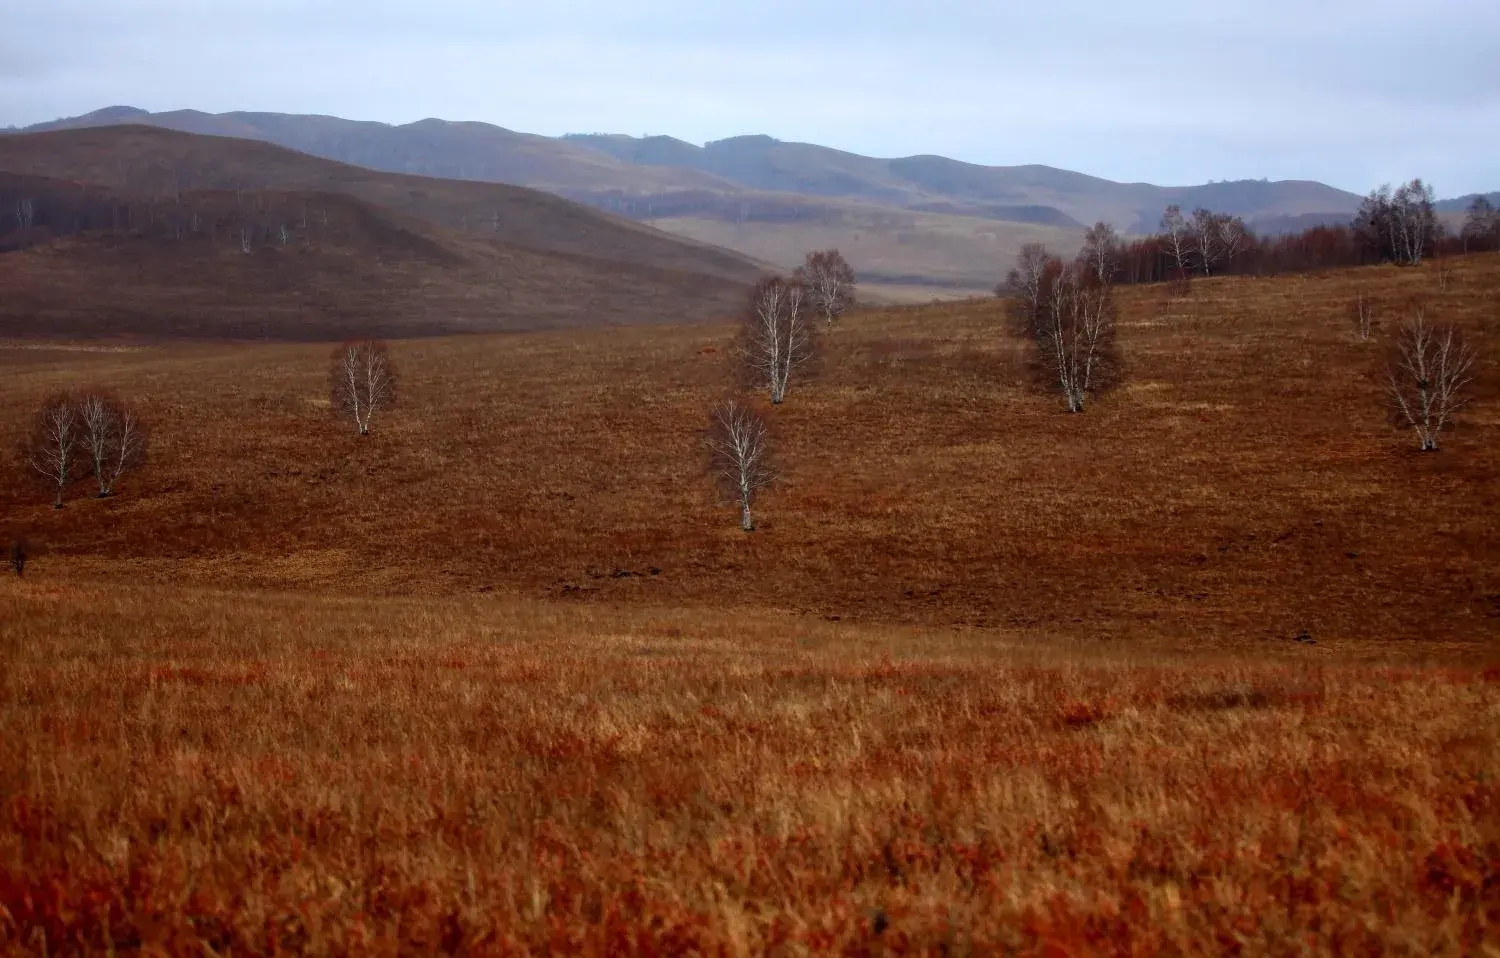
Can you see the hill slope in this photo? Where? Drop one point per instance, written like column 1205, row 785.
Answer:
column 145, row 231
column 923, row 219
column 1243, row 484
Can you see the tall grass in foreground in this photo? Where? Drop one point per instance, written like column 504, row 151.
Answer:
column 198, row 773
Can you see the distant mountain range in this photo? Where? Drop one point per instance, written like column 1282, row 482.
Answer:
column 921, row 221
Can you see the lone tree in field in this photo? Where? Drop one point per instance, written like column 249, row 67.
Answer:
column 54, row 448
column 1428, row 369
column 829, row 280
column 776, row 334
column 739, row 445
column 363, row 381
column 114, row 439
column 1073, row 328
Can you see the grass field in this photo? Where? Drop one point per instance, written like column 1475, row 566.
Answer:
column 1212, row 668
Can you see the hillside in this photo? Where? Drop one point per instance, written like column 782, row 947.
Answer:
column 923, row 219
column 143, row 231
column 1221, row 492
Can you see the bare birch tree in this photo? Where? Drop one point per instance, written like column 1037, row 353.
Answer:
column 1101, row 252
column 1413, row 222
column 829, row 280
column 362, row 381
column 1429, row 367
column 776, row 336
column 54, row 449
column 1481, row 228
column 1233, row 237
column 739, row 444
column 1363, row 314
column 114, row 439
column 1073, row 328
column 1026, row 279
column 1204, row 229
column 1176, row 236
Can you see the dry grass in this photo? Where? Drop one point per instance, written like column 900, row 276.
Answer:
column 256, row 702
column 266, row 773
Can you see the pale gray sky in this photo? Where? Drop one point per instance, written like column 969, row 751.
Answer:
column 1350, row 93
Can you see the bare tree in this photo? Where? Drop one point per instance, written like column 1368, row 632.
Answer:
column 1363, row 314
column 362, row 381
column 739, row 444
column 1481, row 226
column 1413, row 222
column 25, row 213
column 1176, row 236
column 114, row 439
column 1073, row 328
column 1101, row 252
column 776, row 335
column 20, row 551
column 1234, row 235
column 830, row 283
column 1398, row 225
column 1026, row 279
column 1204, row 229
column 1429, row 368
column 54, row 448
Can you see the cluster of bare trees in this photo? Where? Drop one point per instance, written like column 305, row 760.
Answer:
column 780, row 335
column 76, row 436
column 1481, row 229
column 93, row 434
column 1399, row 225
column 1203, row 244
column 1067, row 312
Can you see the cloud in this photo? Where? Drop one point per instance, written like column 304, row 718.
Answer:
column 1351, row 93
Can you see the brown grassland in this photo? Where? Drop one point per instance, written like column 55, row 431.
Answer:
column 506, row 678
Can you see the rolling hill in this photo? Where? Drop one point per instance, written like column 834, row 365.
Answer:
column 145, row 231
column 924, row 220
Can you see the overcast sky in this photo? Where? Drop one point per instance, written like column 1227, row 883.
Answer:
column 1350, row 93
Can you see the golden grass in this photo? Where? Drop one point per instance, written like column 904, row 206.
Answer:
column 990, row 679
column 186, row 770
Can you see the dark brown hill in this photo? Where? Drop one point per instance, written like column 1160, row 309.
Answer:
column 159, row 163
column 149, row 233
